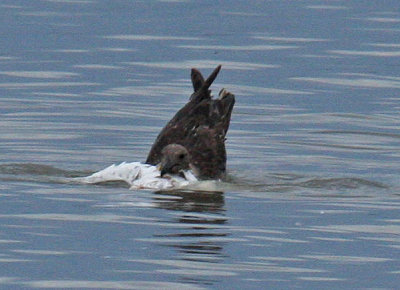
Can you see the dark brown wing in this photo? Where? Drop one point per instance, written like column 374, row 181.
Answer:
column 201, row 126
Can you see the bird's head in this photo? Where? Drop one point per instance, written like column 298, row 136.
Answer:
column 174, row 159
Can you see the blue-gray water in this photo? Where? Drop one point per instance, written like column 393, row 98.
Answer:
column 313, row 149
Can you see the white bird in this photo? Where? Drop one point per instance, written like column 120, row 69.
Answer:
column 174, row 171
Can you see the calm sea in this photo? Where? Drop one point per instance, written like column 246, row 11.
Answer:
column 312, row 199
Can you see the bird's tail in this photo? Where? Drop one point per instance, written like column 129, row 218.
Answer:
column 201, row 87
column 223, row 107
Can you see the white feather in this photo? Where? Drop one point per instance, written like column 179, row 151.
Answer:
column 139, row 176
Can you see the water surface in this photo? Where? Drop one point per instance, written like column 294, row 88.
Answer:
column 313, row 149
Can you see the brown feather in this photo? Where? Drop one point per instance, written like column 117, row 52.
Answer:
column 200, row 126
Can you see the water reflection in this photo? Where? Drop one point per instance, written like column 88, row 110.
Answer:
column 190, row 201
column 203, row 236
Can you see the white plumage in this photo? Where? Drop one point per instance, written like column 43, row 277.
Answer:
column 140, row 176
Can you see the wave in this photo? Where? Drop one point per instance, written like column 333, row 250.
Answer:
column 37, row 173
column 236, row 181
column 289, row 182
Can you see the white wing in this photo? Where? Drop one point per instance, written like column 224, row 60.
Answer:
column 127, row 172
column 139, row 176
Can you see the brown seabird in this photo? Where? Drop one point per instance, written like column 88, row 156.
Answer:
column 196, row 134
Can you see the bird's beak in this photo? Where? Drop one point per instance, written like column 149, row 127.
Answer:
column 163, row 172
column 165, row 167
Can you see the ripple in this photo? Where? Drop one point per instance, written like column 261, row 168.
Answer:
column 346, row 259
column 44, row 14
column 97, row 66
column 360, row 228
column 255, row 47
column 84, row 284
column 103, row 218
column 278, row 240
column 4, row 241
column 76, row 50
column 26, row 85
column 247, row 14
column 146, row 37
column 383, row 19
column 71, row 1
column 232, row 268
column 244, row 90
column 197, row 272
column 327, row 7
column 161, row 89
column 15, row 260
column 290, row 39
column 39, row 74
column 321, row 279
column 204, row 64
column 359, row 82
column 42, row 252
column 117, row 49
column 391, row 45
column 377, row 53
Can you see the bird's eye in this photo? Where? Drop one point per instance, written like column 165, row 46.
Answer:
column 181, row 156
